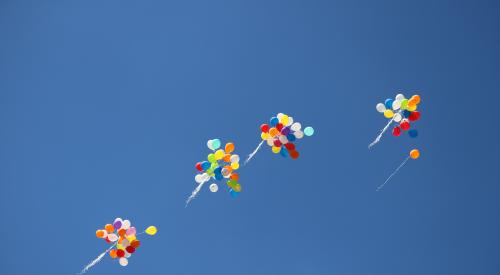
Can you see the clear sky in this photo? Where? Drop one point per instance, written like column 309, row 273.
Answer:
column 105, row 107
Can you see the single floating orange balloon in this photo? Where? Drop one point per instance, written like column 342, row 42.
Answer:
column 414, row 154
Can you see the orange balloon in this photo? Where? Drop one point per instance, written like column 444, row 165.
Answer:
column 109, row 228
column 99, row 233
column 229, row 147
column 228, row 168
column 235, row 176
column 415, row 154
column 294, row 154
column 121, row 232
column 416, row 98
column 135, row 243
column 112, row 253
column 227, row 158
column 273, row 132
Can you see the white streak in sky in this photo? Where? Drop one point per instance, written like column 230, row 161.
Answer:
column 381, row 133
column 393, row 173
column 254, row 152
column 96, row 260
column 195, row 192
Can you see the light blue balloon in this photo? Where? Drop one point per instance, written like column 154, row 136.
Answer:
column 216, row 143
column 309, row 131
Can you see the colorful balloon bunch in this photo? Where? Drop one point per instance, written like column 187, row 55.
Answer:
column 124, row 237
column 220, row 164
column 280, row 134
column 402, row 111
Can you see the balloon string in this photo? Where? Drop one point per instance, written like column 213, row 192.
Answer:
column 254, row 152
column 377, row 139
column 97, row 260
column 195, row 191
column 393, row 173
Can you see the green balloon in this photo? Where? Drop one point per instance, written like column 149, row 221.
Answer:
column 211, row 158
column 309, row 131
column 404, row 104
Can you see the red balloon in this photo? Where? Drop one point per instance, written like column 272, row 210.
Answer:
column 120, row 253
column 198, row 167
column 405, row 125
column 414, row 116
column 264, row 128
column 130, row 249
column 290, row 146
column 396, row 131
column 294, row 154
column 277, row 143
column 279, row 126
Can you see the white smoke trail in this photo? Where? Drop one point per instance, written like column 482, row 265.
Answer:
column 195, row 192
column 96, row 260
column 393, row 173
column 381, row 133
column 254, row 152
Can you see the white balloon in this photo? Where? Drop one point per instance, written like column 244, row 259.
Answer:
column 283, row 139
column 380, row 107
column 299, row 134
column 270, row 142
column 296, row 126
column 123, row 261
column 209, row 144
column 396, row 104
column 205, row 177
column 279, row 116
column 214, row 187
column 225, row 172
column 397, row 117
column 235, row 158
column 290, row 121
column 198, row 178
column 125, row 243
column 112, row 237
column 400, row 97
column 126, row 224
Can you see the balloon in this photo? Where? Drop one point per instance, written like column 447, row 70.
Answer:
column 126, row 224
column 205, row 165
column 270, row 142
column 290, row 146
column 284, row 153
column 233, row 193
column 397, row 117
column 400, row 97
column 283, row 140
column 299, row 134
column 198, row 166
column 109, row 228
column 214, row 187
column 112, row 237
column 131, row 231
column 414, row 116
column 209, row 144
column 123, row 261
column 264, row 128
column 135, row 243
column 388, row 103
column 417, row 99
column 235, row 165
column 396, row 105
column 277, row 143
column 117, row 223
column 285, row 131
column 274, row 132
column 215, row 144
column 405, row 125
column 112, row 253
column 237, row 188
column 211, row 157
column 276, row 149
column 101, row 234
column 273, row 121
column 235, row 158
column 415, row 154
column 396, row 131
column 130, row 249
column 388, row 113
column 121, row 232
column 219, row 154
column 227, row 158
column 284, row 119
column 125, row 243
column 413, row 133
column 229, row 147
column 290, row 121
column 120, row 253
column 380, row 107
column 404, row 104
column 296, row 126
column 412, row 107
column 235, row 177
column 151, row 230
column 294, row 154
column 309, row 131
column 231, row 183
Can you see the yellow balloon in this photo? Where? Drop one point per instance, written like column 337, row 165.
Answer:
column 131, row 238
column 284, row 120
column 265, row 136
column 412, row 107
column 237, row 187
column 119, row 246
column 276, row 149
column 235, row 165
column 388, row 113
column 219, row 154
column 151, row 230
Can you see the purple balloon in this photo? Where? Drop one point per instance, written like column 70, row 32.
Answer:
column 285, row 131
column 117, row 224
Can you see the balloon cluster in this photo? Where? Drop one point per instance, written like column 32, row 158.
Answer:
column 220, row 164
column 402, row 111
column 124, row 236
column 281, row 132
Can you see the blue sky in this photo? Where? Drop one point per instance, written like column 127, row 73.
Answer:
column 105, row 107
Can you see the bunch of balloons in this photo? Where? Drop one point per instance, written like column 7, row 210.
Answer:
column 402, row 111
column 220, row 164
column 280, row 134
column 123, row 237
